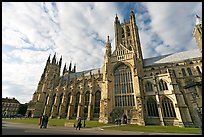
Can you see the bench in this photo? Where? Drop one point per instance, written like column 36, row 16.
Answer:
column 69, row 124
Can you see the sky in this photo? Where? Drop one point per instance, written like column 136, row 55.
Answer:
column 78, row 31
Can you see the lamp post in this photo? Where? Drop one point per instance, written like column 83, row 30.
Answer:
column 84, row 115
column 199, row 110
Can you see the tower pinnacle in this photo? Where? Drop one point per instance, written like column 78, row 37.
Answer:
column 198, row 20
column 108, row 41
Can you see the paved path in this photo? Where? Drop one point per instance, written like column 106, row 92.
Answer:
column 10, row 128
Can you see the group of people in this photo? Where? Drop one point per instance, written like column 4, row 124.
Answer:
column 118, row 121
column 43, row 121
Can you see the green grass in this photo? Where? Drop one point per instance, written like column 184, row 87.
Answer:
column 56, row 122
column 94, row 123
column 167, row 129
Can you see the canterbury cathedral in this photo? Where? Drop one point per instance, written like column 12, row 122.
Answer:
column 164, row 90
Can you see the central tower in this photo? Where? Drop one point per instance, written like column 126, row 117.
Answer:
column 122, row 72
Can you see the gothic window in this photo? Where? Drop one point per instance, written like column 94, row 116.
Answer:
column 86, row 103
column 46, row 100
column 163, row 85
column 183, row 72
column 68, row 101
column 189, row 72
column 39, row 96
column 148, row 86
column 198, row 69
column 123, row 34
column 60, row 101
column 128, row 31
column 124, row 95
column 174, row 73
column 152, row 107
column 53, row 101
column 77, row 102
column 168, row 108
column 97, row 102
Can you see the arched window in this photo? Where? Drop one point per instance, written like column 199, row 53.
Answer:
column 152, row 107
column 68, row 101
column 148, row 86
column 76, row 102
column 123, row 34
column 97, row 102
column 168, row 108
column 183, row 72
column 189, row 72
column 198, row 69
column 46, row 100
column 128, row 31
column 174, row 73
column 86, row 103
column 124, row 95
column 53, row 101
column 60, row 101
column 163, row 85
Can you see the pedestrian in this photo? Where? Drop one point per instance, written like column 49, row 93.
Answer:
column 119, row 121
column 46, row 121
column 79, row 123
column 40, row 122
column 116, row 121
column 124, row 119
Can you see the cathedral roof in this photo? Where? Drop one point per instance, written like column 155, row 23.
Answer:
column 85, row 73
column 169, row 58
column 172, row 58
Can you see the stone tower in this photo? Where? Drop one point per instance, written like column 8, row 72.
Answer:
column 197, row 32
column 49, row 80
column 122, row 72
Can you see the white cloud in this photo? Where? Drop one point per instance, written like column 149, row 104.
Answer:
column 77, row 31
column 31, row 31
column 174, row 22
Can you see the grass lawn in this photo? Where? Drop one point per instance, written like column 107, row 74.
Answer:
column 93, row 123
column 167, row 129
column 56, row 122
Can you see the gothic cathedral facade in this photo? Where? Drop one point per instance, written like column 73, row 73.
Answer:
column 152, row 91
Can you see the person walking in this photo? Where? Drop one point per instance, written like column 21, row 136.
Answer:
column 45, row 121
column 40, row 122
column 79, row 123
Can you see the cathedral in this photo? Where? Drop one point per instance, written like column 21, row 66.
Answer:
column 164, row 90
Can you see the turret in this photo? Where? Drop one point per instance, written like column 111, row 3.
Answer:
column 108, row 48
column 198, row 20
column 70, row 66
column 74, row 69
column 197, row 32
column 116, row 27
column 46, row 67
column 135, row 36
column 54, row 59
column 65, row 69
column 48, row 60
column 60, row 62
column 132, row 15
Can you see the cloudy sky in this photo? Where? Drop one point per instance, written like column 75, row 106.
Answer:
column 78, row 32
